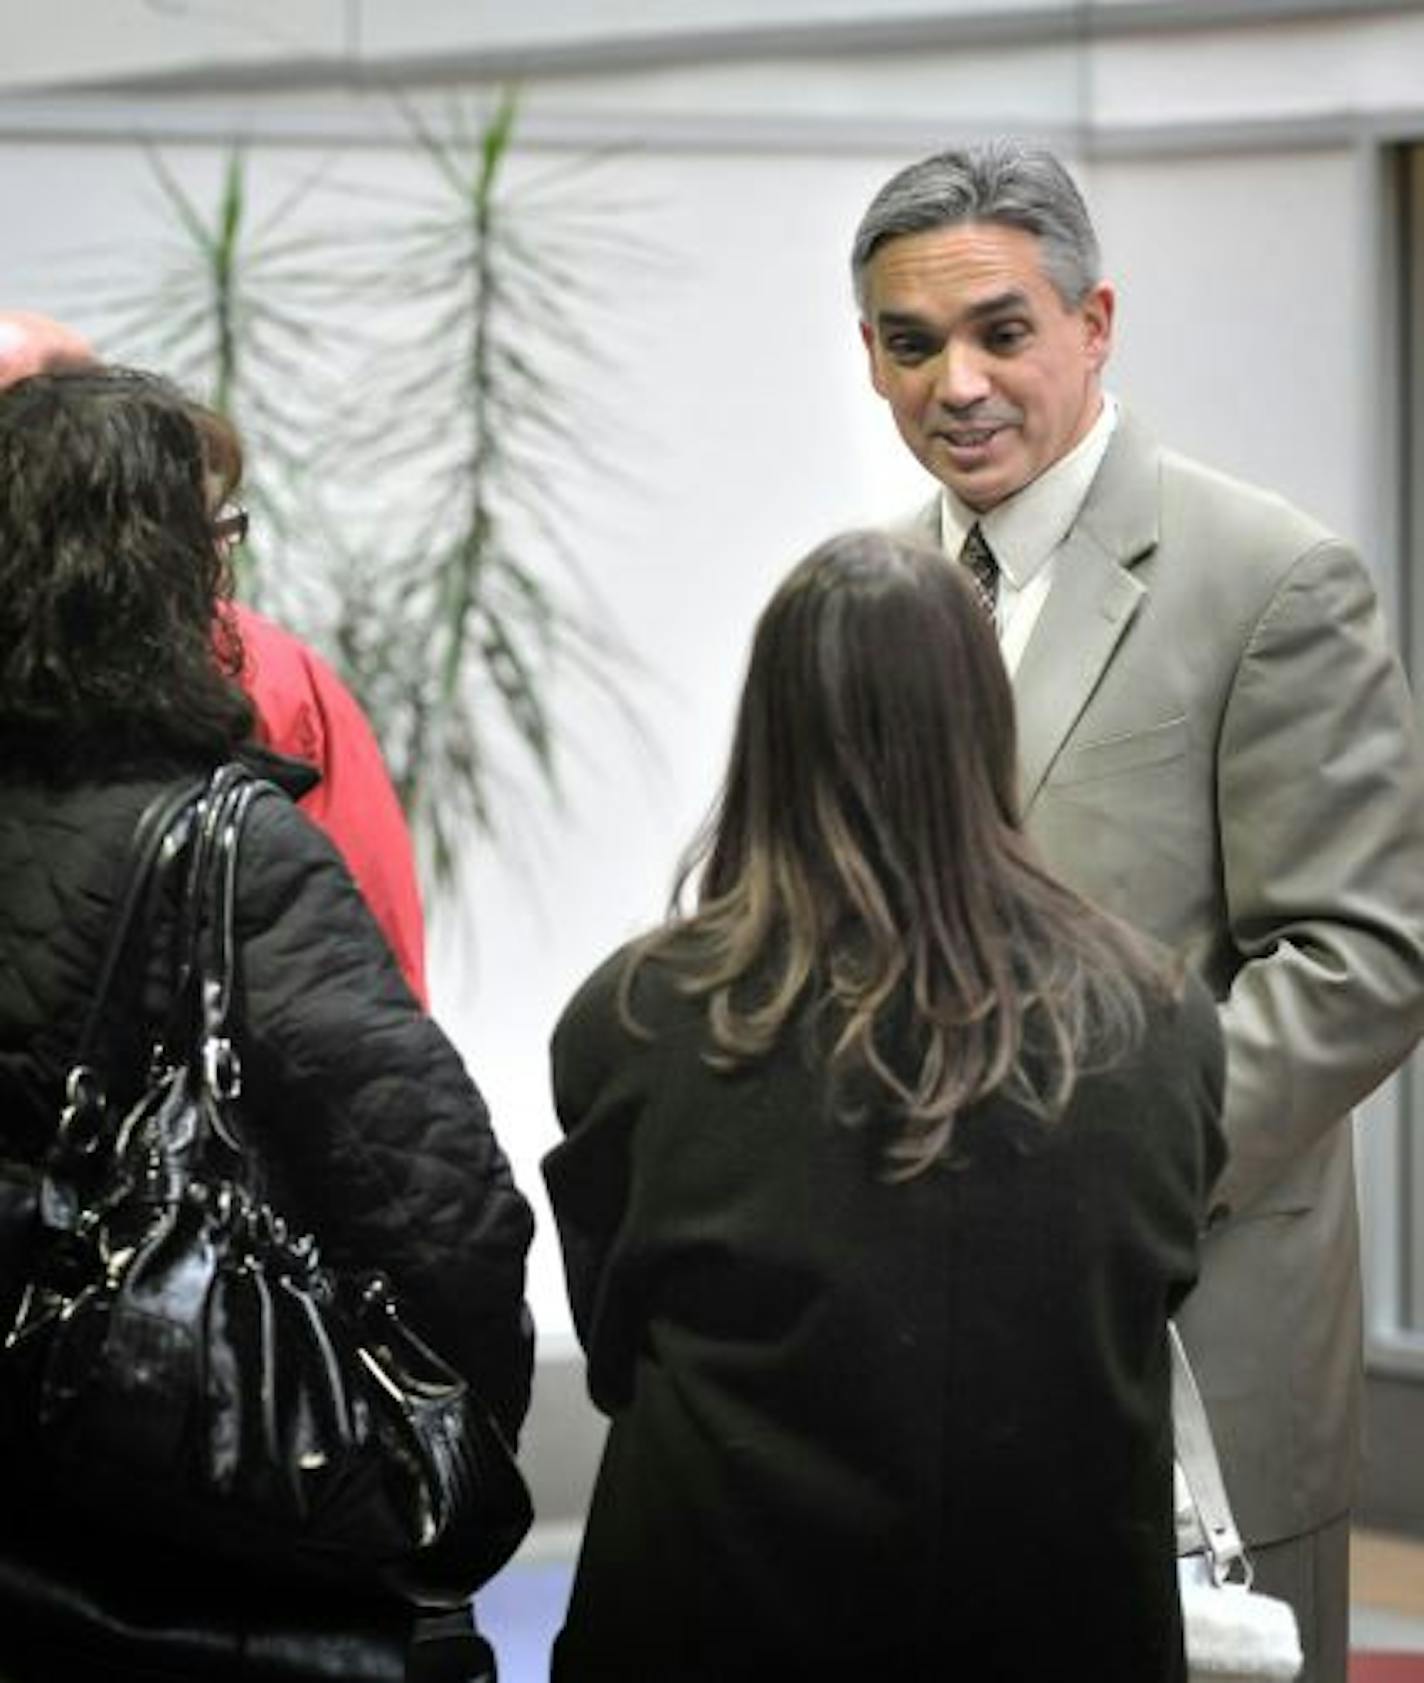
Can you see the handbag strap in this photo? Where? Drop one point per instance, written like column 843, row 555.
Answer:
column 159, row 832
column 220, row 968
column 1196, row 1455
column 207, row 806
column 196, row 909
column 157, row 829
column 199, row 1031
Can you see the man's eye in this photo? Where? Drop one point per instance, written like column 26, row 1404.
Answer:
column 908, row 347
column 1006, row 335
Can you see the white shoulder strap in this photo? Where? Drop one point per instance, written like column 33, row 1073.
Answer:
column 1196, row 1456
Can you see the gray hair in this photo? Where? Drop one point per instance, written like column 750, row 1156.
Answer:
column 1001, row 181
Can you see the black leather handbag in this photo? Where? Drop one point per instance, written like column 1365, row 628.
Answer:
column 180, row 1352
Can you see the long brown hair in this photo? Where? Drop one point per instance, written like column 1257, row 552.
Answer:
column 866, row 858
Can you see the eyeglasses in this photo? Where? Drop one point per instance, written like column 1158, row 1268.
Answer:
column 230, row 529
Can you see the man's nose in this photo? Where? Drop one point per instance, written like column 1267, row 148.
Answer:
column 963, row 377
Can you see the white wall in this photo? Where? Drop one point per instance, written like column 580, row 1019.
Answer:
column 1241, row 336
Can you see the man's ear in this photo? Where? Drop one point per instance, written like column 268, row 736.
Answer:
column 1097, row 311
column 867, row 338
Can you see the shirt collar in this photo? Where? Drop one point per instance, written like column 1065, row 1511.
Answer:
column 1025, row 529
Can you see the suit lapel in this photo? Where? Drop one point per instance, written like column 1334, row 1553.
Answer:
column 1091, row 603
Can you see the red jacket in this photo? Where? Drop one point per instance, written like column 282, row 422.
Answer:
column 304, row 710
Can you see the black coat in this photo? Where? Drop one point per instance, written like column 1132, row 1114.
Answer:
column 377, row 1131
column 870, row 1430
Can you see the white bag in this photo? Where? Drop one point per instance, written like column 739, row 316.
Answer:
column 1233, row 1634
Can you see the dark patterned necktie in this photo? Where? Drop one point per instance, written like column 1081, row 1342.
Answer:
column 983, row 569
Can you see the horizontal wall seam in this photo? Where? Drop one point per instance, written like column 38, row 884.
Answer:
column 212, row 122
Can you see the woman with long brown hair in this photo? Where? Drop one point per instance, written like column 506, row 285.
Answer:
column 885, row 1167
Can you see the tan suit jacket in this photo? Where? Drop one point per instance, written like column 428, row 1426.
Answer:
column 1217, row 744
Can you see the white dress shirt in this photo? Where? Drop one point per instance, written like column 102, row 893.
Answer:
column 1025, row 529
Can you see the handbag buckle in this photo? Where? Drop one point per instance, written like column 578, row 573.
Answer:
column 83, row 1113
column 222, row 1069
column 1224, row 1554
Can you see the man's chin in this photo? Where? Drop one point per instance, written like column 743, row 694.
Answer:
column 980, row 477
column 979, row 491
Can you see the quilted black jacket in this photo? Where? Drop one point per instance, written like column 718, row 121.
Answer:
column 374, row 1125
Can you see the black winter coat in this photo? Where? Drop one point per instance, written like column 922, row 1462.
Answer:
column 378, row 1133
column 905, row 1432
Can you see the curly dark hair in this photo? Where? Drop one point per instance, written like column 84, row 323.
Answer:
column 111, row 644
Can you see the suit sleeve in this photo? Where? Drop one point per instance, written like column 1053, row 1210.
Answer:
column 1321, row 797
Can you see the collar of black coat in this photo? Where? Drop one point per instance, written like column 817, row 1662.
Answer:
column 292, row 776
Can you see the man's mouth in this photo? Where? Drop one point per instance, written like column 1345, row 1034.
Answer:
column 971, row 442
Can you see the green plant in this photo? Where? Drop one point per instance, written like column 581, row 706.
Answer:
column 478, row 405
column 233, row 315
column 412, row 385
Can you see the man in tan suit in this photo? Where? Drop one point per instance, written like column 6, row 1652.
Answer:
column 1217, row 744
